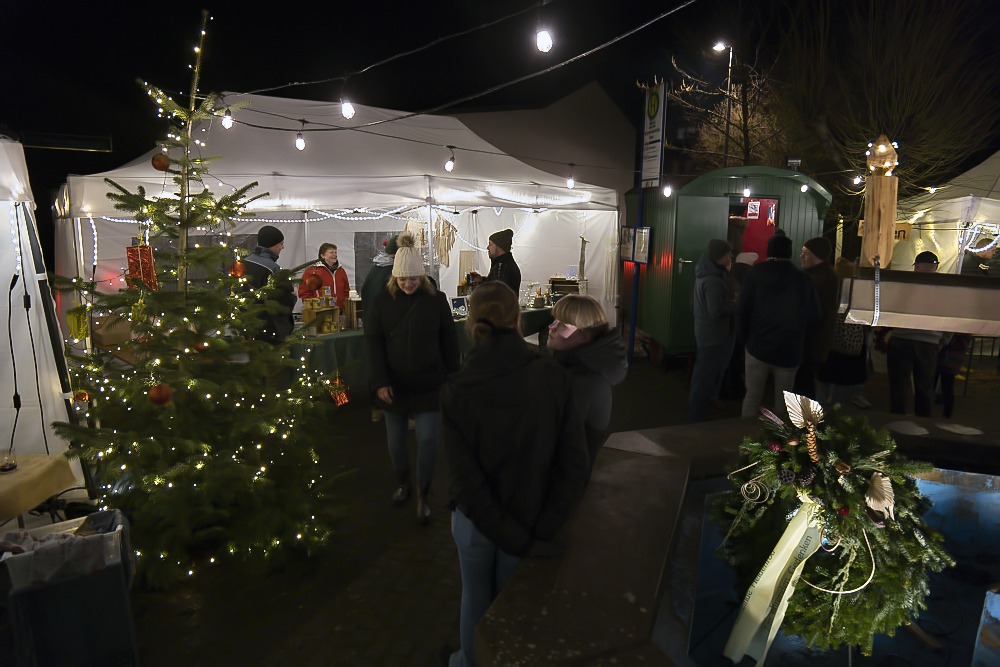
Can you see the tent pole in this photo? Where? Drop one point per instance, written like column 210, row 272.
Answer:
column 435, row 272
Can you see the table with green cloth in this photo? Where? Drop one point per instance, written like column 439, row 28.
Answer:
column 345, row 352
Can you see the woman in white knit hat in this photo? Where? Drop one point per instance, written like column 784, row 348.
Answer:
column 412, row 349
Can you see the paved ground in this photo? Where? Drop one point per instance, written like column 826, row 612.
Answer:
column 387, row 592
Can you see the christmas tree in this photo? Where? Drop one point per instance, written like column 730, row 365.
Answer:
column 193, row 428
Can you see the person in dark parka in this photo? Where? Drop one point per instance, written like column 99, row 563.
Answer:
column 714, row 327
column 815, row 257
column 412, row 348
column 515, row 452
column 260, row 265
column 502, row 264
column 593, row 354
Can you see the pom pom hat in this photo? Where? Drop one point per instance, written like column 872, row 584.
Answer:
column 409, row 262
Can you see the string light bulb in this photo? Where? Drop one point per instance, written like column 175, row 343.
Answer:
column 449, row 166
column 667, row 191
column 347, row 109
column 300, row 141
column 543, row 40
column 227, row 119
column 570, row 181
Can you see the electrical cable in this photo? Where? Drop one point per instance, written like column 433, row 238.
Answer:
column 26, row 298
column 13, row 361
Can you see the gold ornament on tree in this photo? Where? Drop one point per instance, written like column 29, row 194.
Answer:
column 79, row 322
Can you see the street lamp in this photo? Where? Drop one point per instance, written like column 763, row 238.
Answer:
column 721, row 46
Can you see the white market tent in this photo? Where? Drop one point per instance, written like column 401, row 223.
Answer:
column 36, row 367
column 953, row 217
column 377, row 172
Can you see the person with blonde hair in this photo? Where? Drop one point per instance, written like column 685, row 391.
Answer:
column 515, row 452
column 593, row 354
column 412, row 348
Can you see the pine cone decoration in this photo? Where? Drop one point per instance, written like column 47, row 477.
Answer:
column 786, row 476
column 811, row 443
column 807, row 477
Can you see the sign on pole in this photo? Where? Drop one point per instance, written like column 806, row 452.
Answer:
column 652, row 141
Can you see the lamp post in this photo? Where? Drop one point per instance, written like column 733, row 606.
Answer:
column 720, row 46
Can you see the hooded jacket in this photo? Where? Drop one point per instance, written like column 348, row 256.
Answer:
column 777, row 303
column 713, row 304
column 512, row 442
column 593, row 369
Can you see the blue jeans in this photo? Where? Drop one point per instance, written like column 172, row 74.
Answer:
column 427, row 444
column 485, row 571
column 710, row 366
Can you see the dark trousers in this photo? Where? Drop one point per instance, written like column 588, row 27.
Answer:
column 914, row 359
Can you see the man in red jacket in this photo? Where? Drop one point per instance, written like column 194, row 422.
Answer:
column 327, row 272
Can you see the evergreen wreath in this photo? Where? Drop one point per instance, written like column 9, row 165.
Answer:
column 871, row 573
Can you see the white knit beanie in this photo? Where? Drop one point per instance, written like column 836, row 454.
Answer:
column 409, row 262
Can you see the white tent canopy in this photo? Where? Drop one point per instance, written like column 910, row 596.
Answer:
column 374, row 172
column 953, row 216
column 36, row 366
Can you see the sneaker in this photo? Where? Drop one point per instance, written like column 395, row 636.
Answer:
column 861, row 401
column 401, row 495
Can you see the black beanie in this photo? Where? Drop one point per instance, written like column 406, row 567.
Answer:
column 503, row 239
column 268, row 236
column 779, row 246
column 717, row 249
column 820, row 247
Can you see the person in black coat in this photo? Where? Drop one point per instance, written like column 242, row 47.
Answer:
column 593, row 354
column 260, row 265
column 412, row 348
column 776, row 304
column 515, row 453
column 815, row 257
column 502, row 264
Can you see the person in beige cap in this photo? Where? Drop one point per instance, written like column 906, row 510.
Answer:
column 502, row 264
column 412, row 349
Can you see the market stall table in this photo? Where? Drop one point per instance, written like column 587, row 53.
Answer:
column 36, row 479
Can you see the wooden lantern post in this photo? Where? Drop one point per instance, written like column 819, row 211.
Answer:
column 881, row 191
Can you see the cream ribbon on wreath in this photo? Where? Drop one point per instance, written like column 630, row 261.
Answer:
column 764, row 606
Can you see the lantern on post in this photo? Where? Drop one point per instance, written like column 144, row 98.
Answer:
column 881, row 191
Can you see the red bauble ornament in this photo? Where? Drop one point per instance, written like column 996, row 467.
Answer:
column 81, row 395
column 160, row 162
column 237, row 269
column 313, row 282
column 160, row 394
column 844, row 511
column 775, row 446
column 201, row 345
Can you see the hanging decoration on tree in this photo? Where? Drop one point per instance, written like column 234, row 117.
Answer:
column 79, row 322
column 141, row 266
column 160, row 162
column 81, row 396
column 845, row 517
column 338, row 391
column 160, row 394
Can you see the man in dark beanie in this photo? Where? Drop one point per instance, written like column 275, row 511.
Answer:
column 777, row 303
column 815, row 258
column 378, row 276
column 502, row 264
column 260, row 265
column 714, row 327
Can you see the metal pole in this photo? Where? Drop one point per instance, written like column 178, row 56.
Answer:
column 634, row 307
column 729, row 105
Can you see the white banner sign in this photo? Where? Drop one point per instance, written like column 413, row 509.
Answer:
column 652, row 138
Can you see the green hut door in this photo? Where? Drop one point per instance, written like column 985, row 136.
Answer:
column 699, row 219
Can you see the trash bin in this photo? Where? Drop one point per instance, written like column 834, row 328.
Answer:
column 69, row 599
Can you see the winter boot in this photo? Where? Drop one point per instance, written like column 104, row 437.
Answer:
column 423, row 505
